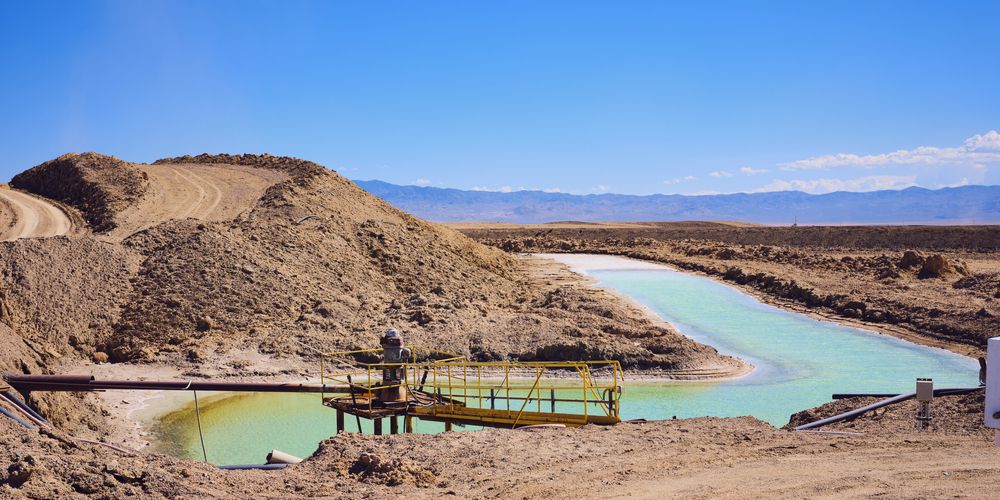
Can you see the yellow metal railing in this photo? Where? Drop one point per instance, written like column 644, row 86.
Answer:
column 439, row 385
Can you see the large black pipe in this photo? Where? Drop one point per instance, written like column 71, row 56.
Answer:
column 885, row 402
column 937, row 392
column 88, row 383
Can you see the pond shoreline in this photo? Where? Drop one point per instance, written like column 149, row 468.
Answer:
column 877, row 329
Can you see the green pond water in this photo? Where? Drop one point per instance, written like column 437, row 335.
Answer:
column 800, row 362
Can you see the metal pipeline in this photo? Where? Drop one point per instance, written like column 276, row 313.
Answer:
column 28, row 416
column 24, row 406
column 4, row 412
column 254, row 467
column 885, row 402
column 937, row 392
column 88, row 383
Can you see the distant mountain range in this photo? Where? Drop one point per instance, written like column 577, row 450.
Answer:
column 960, row 205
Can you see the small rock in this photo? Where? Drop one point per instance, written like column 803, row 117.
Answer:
column 100, row 357
column 911, row 259
column 935, row 266
column 204, row 323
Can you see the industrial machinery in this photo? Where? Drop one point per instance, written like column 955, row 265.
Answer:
column 441, row 387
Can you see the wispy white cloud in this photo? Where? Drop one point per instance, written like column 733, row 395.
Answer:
column 976, row 151
column 821, row 186
column 501, row 189
column 422, row 182
column 721, row 173
column 752, row 171
column 678, row 180
column 600, row 188
column 552, row 190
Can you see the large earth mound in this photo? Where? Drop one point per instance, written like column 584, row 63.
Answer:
column 304, row 256
column 98, row 185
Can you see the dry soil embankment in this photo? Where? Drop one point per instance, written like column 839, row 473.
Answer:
column 935, row 285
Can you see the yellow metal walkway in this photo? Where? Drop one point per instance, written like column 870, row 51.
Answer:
column 446, row 388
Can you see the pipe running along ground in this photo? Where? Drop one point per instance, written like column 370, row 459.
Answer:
column 885, row 402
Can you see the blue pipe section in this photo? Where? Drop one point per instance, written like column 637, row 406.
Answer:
column 4, row 412
column 24, row 406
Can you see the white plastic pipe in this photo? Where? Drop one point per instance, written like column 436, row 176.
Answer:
column 280, row 457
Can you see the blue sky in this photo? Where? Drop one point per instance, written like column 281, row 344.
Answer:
column 583, row 97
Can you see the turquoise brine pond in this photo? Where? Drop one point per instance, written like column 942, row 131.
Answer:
column 800, row 361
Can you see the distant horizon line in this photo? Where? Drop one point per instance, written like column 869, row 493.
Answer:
column 689, row 195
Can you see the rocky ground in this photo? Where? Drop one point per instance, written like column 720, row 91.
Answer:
column 935, row 285
column 696, row 458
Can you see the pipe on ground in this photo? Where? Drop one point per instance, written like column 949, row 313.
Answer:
column 885, row 402
column 280, row 457
column 88, row 383
column 4, row 412
column 937, row 392
column 24, row 406
column 254, row 467
column 28, row 416
column 858, row 412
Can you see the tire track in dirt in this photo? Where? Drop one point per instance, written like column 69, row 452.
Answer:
column 29, row 216
column 203, row 192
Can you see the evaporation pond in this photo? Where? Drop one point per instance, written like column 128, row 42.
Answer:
column 800, row 362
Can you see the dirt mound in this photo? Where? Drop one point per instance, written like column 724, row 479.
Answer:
column 98, row 185
column 319, row 260
column 986, row 283
column 314, row 259
column 295, row 167
column 62, row 295
column 937, row 266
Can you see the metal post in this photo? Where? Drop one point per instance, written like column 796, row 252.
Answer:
column 340, row 421
column 408, row 424
column 354, row 400
column 393, row 425
column 447, row 426
column 552, row 397
column 201, row 436
column 378, row 426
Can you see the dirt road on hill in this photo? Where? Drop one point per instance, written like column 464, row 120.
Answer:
column 27, row 216
column 203, row 192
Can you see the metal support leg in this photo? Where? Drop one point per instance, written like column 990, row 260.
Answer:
column 447, row 426
column 378, row 426
column 340, row 421
column 408, row 424
column 393, row 425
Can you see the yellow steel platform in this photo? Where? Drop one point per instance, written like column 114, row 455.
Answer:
column 447, row 388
